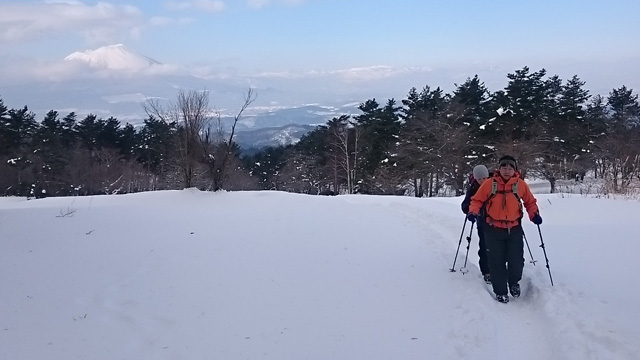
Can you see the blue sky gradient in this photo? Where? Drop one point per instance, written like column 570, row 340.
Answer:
column 400, row 43
column 331, row 34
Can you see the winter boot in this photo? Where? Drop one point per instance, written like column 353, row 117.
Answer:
column 502, row 298
column 514, row 290
column 487, row 278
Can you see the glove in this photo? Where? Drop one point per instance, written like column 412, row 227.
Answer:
column 472, row 217
column 536, row 219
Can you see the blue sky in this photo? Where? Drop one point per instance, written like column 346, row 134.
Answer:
column 440, row 42
column 330, row 34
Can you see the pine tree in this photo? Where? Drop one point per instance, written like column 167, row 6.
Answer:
column 380, row 128
column 418, row 145
column 53, row 156
column 127, row 140
column 622, row 138
column 69, row 134
column 624, row 107
column 156, row 142
column 472, row 97
column 559, row 142
column 5, row 130
column 524, row 101
column 266, row 165
column 573, row 123
column 109, row 133
column 596, row 119
column 17, row 134
column 88, row 131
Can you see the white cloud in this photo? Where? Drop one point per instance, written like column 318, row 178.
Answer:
column 360, row 74
column 160, row 21
column 213, row 6
column 258, row 4
column 101, row 22
column 373, row 73
column 283, row 75
column 29, row 70
column 40, row 72
column 124, row 98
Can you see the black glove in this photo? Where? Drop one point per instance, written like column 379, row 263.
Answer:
column 536, row 219
column 472, row 217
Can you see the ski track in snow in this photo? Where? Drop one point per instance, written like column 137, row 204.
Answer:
column 535, row 310
column 479, row 328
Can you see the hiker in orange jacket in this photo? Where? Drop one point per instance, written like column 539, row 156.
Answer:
column 502, row 197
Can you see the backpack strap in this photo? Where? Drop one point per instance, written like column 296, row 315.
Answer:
column 514, row 189
column 494, row 190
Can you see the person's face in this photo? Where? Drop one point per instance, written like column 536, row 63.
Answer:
column 507, row 171
column 481, row 180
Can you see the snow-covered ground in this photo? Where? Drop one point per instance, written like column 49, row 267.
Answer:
column 270, row 275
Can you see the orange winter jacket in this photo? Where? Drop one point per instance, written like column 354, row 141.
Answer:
column 503, row 209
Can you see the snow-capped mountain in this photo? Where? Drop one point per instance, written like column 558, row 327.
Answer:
column 278, row 117
column 117, row 57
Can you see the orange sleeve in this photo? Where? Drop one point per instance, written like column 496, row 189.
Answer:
column 529, row 201
column 480, row 197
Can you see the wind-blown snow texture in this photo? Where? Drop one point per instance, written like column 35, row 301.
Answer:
column 270, row 275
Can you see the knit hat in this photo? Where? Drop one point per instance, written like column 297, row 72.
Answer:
column 510, row 160
column 480, row 172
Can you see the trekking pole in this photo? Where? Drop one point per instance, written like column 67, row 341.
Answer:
column 545, row 254
column 453, row 268
column 464, row 269
column 530, row 254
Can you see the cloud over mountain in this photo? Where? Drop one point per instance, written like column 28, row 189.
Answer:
column 115, row 80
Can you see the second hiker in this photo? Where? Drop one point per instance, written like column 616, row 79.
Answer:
column 480, row 174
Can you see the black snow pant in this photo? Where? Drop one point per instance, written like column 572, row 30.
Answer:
column 482, row 250
column 505, row 250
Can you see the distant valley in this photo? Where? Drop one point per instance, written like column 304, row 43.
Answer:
column 282, row 126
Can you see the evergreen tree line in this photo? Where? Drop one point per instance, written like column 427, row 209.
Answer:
column 426, row 145
column 177, row 147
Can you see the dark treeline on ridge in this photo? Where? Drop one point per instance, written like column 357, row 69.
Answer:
column 423, row 145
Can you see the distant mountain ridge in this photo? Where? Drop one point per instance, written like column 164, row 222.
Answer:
column 312, row 114
column 252, row 140
column 282, row 126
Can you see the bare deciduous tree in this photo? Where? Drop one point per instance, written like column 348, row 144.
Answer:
column 192, row 113
column 344, row 138
column 218, row 151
